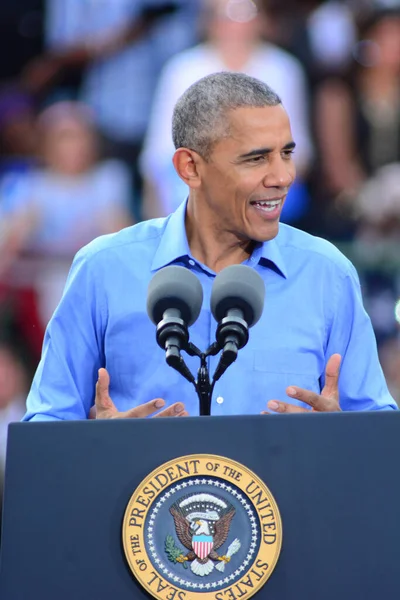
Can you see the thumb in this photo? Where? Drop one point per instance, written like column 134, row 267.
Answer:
column 103, row 400
column 331, row 388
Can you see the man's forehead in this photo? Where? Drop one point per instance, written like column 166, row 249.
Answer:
column 257, row 116
column 259, row 123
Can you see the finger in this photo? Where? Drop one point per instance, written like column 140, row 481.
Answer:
column 92, row 413
column 284, row 407
column 143, row 410
column 175, row 410
column 148, row 409
column 317, row 402
column 103, row 400
column 332, row 370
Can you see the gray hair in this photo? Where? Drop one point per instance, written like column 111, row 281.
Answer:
column 200, row 115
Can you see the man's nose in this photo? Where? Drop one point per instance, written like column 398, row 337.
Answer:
column 281, row 173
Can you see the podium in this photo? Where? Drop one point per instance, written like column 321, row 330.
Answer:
column 334, row 477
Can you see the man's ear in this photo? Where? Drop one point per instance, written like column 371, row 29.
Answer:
column 186, row 163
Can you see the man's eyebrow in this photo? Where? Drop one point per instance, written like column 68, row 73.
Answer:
column 261, row 151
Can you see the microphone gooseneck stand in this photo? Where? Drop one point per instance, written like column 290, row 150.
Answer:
column 204, row 387
column 173, row 336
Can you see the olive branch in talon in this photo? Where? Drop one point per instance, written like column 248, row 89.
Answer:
column 174, row 554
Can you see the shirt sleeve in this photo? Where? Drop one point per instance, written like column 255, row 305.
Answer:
column 362, row 384
column 64, row 384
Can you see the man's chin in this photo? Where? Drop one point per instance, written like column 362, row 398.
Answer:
column 265, row 233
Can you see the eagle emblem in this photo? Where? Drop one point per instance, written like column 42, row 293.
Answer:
column 202, row 524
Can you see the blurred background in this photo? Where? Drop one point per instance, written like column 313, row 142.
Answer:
column 87, row 89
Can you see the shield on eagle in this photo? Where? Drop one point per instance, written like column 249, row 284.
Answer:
column 202, row 545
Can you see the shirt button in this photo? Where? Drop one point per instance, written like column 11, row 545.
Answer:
column 220, row 400
column 191, row 262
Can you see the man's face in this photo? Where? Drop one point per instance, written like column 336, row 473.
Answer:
column 247, row 177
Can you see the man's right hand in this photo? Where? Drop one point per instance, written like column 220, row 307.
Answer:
column 105, row 408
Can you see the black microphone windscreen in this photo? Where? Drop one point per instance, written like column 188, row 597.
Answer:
column 238, row 286
column 174, row 287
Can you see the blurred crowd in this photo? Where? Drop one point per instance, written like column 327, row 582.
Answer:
column 86, row 98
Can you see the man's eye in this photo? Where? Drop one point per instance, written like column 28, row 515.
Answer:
column 255, row 159
column 288, row 153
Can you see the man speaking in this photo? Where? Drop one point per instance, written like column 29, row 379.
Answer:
column 312, row 349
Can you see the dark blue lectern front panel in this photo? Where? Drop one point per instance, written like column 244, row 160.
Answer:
column 335, row 479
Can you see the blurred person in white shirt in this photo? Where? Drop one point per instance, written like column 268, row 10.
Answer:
column 234, row 42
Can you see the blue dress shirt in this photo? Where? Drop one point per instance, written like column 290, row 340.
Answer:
column 313, row 309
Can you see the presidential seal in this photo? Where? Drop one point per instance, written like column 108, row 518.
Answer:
column 202, row 526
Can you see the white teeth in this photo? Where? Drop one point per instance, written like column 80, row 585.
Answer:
column 268, row 206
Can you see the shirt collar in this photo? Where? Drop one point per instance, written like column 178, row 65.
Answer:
column 268, row 254
column 174, row 245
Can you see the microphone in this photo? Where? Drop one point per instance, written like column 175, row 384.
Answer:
column 174, row 301
column 237, row 302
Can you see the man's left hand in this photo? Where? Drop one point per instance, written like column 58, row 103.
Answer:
column 327, row 401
